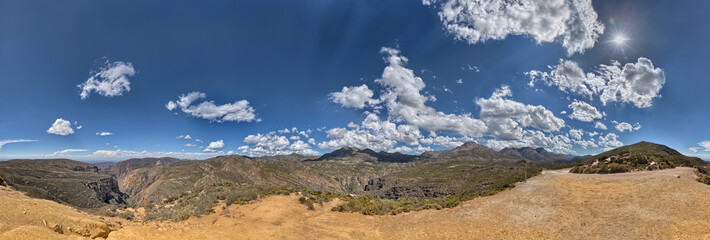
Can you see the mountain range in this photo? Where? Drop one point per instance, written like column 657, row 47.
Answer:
column 467, row 169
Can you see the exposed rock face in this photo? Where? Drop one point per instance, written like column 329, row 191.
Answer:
column 86, row 169
column 375, row 184
column 124, row 168
column 107, row 191
column 415, row 191
column 394, row 189
column 75, row 183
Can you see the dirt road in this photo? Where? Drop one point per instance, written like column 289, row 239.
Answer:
column 667, row 204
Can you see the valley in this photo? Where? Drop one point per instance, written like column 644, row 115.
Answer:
column 470, row 190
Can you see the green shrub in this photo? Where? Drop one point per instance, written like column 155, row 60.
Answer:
column 202, row 201
column 704, row 175
column 310, row 198
column 241, row 197
column 127, row 215
column 370, row 205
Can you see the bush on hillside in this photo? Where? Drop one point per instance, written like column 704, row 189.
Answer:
column 370, row 205
column 704, row 174
column 202, row 201
column 625, row 162
column 310, row 198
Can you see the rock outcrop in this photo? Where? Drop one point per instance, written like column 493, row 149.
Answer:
column 107, row 191
column 86, row 169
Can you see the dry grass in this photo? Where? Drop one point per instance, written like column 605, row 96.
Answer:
column 664, row 204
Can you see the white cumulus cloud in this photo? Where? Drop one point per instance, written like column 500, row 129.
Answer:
column 512, row 123
column 239, row 111
column 571, row 22
column 535, row 139
column 354, row 97
column 610, row 141
column 110, row 81
column 600, row 125
column 576, row 133
column 624, row 126
column 104, row 134
column 584, row 112
column 635, row 83
column 405, row 102
column 214, row 146
column 506, row 118
column 342, row 137
column 272, row 144
column 61, row 127
column 705, row 144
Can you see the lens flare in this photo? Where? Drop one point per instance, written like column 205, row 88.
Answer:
column 619, row 39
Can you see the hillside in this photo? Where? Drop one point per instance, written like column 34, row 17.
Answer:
column 455, row 177
column 666, row 204
column 467, row 171
column 539, row 155
column 290, row 157
column 351, row 154
column 120, row 169
column 63, row 180
column 23, row 217
column 545, row 206
column 157, row 184
column 468, row 151
column 635, row 157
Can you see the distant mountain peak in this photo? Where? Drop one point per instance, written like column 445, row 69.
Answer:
column 365, row 155
column 469, row 146
column 347, row 149
column 535, row 154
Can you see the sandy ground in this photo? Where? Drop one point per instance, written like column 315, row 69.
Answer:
column 554, row 205
column 22, row 217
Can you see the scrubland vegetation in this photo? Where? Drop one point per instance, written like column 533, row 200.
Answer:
column 704, row 174
column 203, row 201
column 369, row 205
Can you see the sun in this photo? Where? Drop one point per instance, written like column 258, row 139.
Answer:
column 619, row 43
column 619, row 39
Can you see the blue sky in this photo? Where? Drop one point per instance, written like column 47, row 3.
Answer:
column 264, row 66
